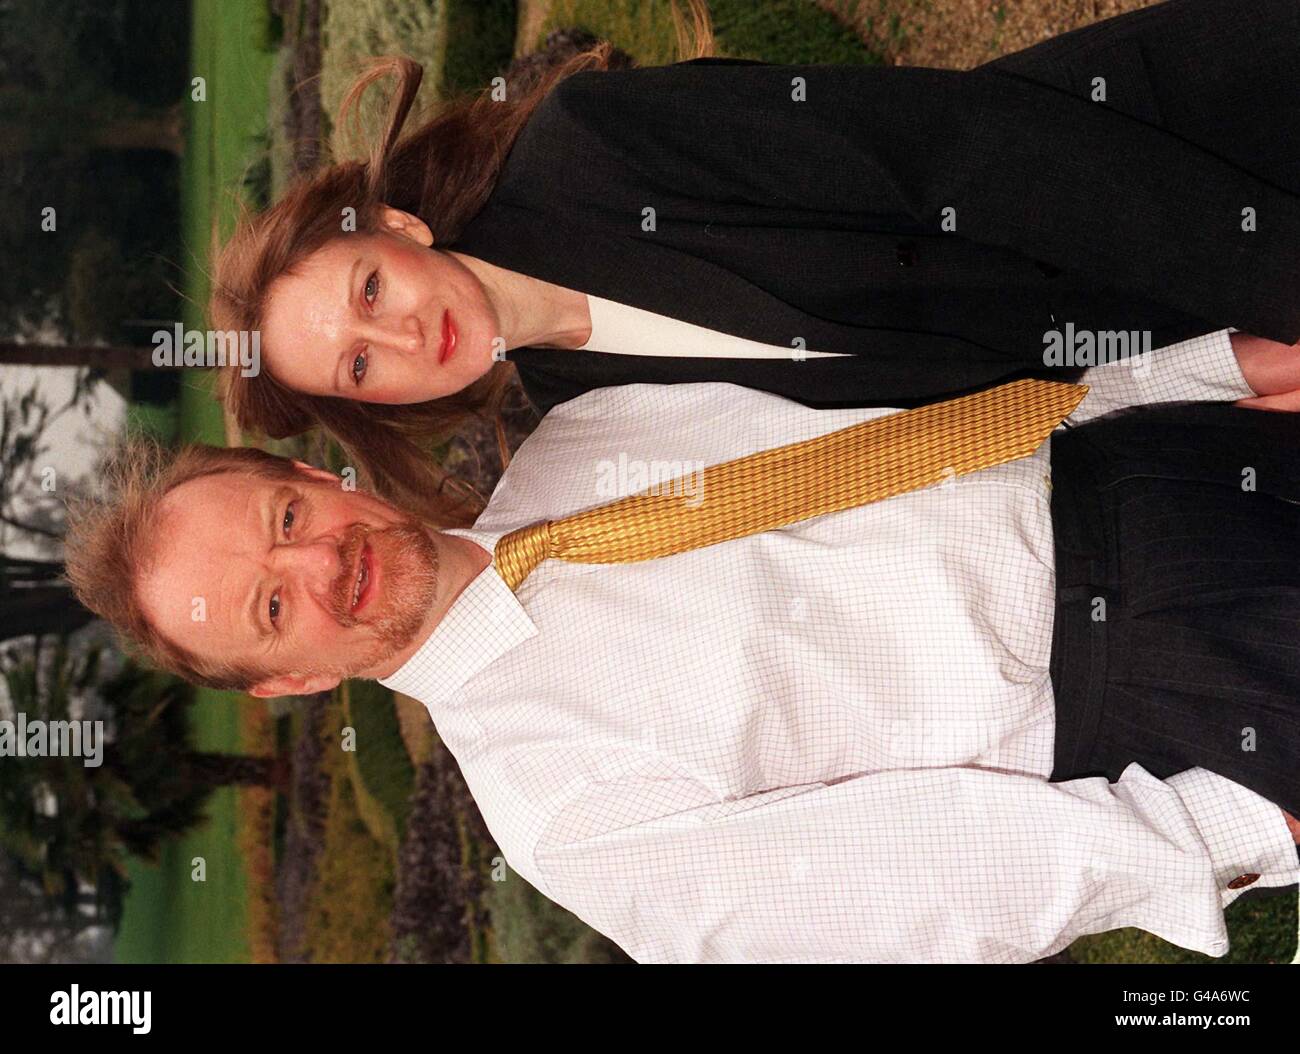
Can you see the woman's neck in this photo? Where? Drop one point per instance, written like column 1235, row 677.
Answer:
column 532, row 313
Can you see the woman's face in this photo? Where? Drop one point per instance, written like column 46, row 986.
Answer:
column 380, row 318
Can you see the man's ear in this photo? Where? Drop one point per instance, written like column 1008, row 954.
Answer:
column 408, row 226
column 324, row 475
column 293, row 685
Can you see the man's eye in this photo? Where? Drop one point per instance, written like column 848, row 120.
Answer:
column 372, row 287
column 359, row 367
column 275, row 606
column 289, row 516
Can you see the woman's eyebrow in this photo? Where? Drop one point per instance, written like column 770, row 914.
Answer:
column 352, row 280
column 338, row 369
column 346, row 353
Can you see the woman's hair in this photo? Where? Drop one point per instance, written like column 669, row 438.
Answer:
column 443, row 172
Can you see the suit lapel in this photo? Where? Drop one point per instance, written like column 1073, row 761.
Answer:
column 636, row 271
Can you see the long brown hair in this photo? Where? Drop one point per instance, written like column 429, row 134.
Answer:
column 443, row 172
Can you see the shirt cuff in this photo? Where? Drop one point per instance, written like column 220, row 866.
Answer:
column 1202, row 369
column 1244, row 833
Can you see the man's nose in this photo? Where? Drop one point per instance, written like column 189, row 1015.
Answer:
column 314, row 563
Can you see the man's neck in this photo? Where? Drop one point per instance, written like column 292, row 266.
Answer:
column 460, row 561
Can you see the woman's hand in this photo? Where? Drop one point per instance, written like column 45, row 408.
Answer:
column 1282, row 401
column 1294, row 824
column 1271, row 369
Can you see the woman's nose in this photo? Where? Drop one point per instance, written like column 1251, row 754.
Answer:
column 406, row 335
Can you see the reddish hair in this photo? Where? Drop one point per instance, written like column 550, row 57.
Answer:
column 442, row 172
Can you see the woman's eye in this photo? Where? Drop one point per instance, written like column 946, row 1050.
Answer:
column 289, row 516
column 275, row 607
column 372, row 287
column 359, row 367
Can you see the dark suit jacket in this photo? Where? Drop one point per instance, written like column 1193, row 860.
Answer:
column 777, row 220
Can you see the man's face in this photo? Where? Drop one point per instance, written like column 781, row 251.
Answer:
column 295, row 576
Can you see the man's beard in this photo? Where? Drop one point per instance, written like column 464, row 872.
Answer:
column 408, row 558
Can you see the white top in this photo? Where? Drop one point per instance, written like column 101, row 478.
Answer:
column 828, row 742
column 620, row 329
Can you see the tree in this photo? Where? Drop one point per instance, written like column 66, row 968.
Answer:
column 92, row 104
column 35, row 121
column 34, row 598
column 73, row 825
column 33, row 929
column 96, row 356
column 62, row 84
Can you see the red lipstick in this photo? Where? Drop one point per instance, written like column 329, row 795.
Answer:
column 448, row 347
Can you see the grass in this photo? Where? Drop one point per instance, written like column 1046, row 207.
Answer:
column 1259, row 931
column 480, row 35
column 354, row 31
column 255, row 842
column 792, row 31
column 169, row 917
column 380, row 768
column 529, row 928
column 352, row 897
column 483, row 32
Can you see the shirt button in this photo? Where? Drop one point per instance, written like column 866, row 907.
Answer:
column 1242, row 880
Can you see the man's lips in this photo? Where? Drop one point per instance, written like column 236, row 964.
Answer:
column 363, row 586
column 448, row 347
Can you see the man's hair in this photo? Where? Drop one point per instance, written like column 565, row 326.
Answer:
column 112, row 538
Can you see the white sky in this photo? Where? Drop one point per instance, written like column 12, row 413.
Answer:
column 75, row 441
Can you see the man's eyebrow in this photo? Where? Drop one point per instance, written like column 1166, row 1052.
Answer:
column 257, row 606
column 255, row 609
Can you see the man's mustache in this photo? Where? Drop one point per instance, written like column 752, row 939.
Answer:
column 340, row 596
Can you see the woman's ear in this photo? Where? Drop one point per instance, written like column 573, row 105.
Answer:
column 406, row 225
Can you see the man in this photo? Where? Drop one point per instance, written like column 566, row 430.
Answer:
column 828, row 742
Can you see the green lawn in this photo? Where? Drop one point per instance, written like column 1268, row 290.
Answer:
column 792, row 31
column 169, row 917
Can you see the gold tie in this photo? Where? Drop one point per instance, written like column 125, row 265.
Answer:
column 857, row 465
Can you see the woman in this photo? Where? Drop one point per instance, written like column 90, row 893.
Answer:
column 838, row 235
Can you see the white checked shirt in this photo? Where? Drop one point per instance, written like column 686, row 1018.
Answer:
column 829, row 742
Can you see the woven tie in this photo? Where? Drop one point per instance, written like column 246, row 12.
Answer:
column 854, row 466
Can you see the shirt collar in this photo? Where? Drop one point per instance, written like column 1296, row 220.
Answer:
column 484, row 622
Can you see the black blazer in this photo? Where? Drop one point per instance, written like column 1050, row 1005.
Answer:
column 822, row 219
